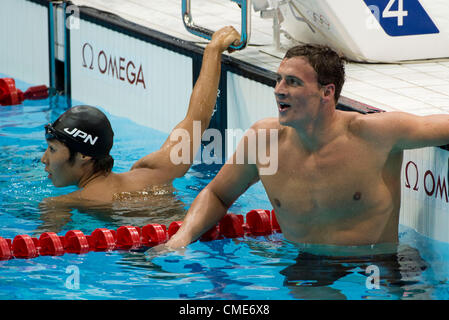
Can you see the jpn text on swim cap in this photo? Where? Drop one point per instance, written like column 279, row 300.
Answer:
column 83, row 135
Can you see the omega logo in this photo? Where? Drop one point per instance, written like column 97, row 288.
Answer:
column 433, row 186
column 119, row 69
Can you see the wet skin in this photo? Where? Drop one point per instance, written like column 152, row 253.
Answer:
column 338, row 177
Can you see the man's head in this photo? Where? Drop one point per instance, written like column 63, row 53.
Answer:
column 309, row 77
column 79, row 142
column 328, row 65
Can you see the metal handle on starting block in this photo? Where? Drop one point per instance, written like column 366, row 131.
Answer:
column 245, row 6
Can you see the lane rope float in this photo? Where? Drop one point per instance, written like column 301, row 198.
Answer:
column 10, row 95
column 259, row 222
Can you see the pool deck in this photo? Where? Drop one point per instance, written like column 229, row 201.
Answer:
column 420, row 87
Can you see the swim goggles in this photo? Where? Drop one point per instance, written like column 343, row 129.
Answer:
column 51, row 133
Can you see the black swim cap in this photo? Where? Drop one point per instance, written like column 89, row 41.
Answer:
column 84, row 129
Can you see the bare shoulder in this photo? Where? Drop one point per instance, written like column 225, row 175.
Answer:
column 374, row 124
column 266, row 123
column 64, row 200
column 140, row 178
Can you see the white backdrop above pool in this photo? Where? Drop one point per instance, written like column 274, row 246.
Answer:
column 24, row 45
column 129, row 77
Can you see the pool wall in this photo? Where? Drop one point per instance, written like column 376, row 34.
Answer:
column 147, row 76
column 424, row 205
column 24, row 40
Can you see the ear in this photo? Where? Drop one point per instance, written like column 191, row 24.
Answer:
column 328, row 91
column 83, row 158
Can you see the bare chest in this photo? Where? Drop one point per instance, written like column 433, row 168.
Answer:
column 342, row 179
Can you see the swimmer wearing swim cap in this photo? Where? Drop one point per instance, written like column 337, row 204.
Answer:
column 86, row 134
column 80, row 140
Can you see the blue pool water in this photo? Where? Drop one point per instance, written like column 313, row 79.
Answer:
column 244, row 268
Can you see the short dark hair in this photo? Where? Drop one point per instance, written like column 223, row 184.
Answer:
column 328, row 65
column 103, row 164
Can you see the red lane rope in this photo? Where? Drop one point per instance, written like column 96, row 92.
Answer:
column 10, row 95
column 258, row 222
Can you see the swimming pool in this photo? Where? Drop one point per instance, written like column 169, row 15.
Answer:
column 250, row 268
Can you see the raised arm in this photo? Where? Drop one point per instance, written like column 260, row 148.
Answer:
column 212, row 202
column 201, row 106
column 422, row 131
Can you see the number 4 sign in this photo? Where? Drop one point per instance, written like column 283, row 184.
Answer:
column 400, row 13
column 402, row 17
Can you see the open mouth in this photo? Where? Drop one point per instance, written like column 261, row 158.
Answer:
column 49, row 174
column 283, row 106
